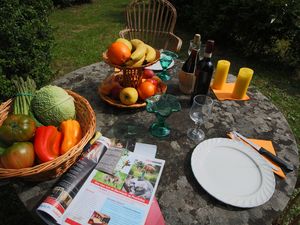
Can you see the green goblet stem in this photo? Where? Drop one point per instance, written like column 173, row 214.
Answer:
column 164, row 76
column 160, row 128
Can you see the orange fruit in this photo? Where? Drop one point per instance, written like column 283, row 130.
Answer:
column 118, row 53
column 146, row 89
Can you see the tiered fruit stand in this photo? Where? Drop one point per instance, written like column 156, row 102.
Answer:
column 128, row 77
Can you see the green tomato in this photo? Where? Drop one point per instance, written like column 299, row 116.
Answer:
column 18, row 155
column 17, row 128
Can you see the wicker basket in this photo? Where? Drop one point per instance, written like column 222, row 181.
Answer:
column 131, row 75
column 45, row 171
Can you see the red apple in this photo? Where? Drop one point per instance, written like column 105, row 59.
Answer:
column 148, row 74
column 153, row 81
column 115, row 92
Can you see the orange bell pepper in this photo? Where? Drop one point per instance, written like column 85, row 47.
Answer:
column 72, row 134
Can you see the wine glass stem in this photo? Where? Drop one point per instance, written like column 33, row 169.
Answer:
column 198, row 127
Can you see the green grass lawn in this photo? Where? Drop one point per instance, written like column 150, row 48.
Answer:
column 83, row 32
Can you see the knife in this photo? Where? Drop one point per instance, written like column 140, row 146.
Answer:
column 235, row 137
column 266, row 153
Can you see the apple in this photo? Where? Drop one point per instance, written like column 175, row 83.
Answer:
column 157, row 79
column 148, row 74
column 108, row 85
column 129, row 96
column 115, row 92
column 153, row 81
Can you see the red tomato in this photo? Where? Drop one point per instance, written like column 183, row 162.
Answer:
column 146, row 90
column 18, row 155
column 17, row 128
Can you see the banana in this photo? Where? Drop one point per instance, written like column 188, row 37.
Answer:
column 136, row 42
column 126, row 42
column 150, row 54
column 139, row 52
column 129, row 63
column 133, row 63
column 139, row 62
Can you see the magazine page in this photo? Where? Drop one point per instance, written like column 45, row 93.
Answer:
column 118, row 196
column 65, row 190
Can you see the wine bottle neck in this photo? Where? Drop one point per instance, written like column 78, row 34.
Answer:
column 194, row 52
column 207, row 55
column 197, row 39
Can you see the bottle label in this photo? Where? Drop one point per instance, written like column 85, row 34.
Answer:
column 186, row 82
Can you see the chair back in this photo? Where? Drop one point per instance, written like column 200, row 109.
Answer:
column 152, row 21
column 151, row 15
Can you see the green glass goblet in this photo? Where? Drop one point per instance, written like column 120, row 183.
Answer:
column 166, row 58
column 163, row 106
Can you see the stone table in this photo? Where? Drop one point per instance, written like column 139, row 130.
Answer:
column 182, row 199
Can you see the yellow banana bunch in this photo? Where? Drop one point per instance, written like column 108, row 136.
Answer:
column 135, row 42
column 150, row 54
column 139, row 52
column 129, row 63
column 138, row 63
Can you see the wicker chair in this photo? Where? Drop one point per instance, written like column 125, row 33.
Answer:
column 152, row 21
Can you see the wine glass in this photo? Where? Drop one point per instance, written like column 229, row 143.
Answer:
column 165, row 60
column 199, row 112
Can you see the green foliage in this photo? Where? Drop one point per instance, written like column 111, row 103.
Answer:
column 268, row 28
column 67, row 3
column 25, row 42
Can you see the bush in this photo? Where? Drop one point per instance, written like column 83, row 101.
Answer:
column 67, row 3
column 25, row 42
column 269, row 28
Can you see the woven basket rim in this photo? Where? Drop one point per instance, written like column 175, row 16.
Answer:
column 106, row 60
column 55, row 163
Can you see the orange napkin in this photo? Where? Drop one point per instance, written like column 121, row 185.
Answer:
column 268, row 146
column 225, row 93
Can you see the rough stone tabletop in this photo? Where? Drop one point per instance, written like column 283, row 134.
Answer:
column 181, row 198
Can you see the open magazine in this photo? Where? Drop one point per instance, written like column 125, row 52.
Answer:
column 107, row 185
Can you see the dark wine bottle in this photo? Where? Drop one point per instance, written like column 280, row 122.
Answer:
column 203, row 72
column 186, row 74
column 189, row 64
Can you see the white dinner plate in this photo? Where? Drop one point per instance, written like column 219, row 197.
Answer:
column 233, row 172
column 157, row 66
